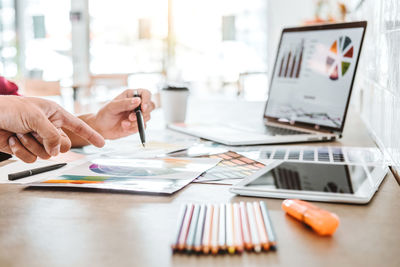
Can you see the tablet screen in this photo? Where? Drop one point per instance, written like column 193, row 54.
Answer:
column 345, row 179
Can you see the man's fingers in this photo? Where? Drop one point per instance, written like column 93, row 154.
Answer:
column 33, row 146
column 4, row 146
column 132, row 116
column 65, row 142
column 129, row 126
column 146, row 100
column 121, row 105
column 20, row 151
column 37, row 137
column 128, row 93
column 80, row 128
column 145, row 95
column 149, row 107
column 147, row 117
column 46, row 130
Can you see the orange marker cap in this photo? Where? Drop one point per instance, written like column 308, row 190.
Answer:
column 321, row 221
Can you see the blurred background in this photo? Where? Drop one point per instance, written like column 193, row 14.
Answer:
column 86, row 51
column 220, row 48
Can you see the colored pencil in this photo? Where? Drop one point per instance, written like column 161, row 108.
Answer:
column 268, row 224
column 245, row 225
column 261, row 226
column 238, row 228
column 200, row 228
column 207, row 229
column 179, row 226
column 185, row 227
column 229, row 229
column 222, row 228
column 192, row 229
column 253, row 228
column 214, row 234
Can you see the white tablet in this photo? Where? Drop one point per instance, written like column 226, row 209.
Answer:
column 314, row 181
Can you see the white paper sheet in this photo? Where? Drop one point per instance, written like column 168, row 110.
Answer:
column 157, row 175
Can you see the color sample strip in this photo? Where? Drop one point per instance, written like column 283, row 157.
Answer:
column 71, row 182
column 231, row 166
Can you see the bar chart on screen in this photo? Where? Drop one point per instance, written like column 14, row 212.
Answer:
column 290, row 62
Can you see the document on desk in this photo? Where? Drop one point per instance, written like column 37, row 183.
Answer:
column 16, row 165
column 157, row 176
column 232, row 167
column 160, row 143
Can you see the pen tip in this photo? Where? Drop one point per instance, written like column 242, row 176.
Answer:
column 143, row 145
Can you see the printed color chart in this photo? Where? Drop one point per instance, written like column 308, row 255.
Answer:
column 232, row 166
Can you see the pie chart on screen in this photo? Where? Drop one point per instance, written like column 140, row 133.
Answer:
column 340, row 57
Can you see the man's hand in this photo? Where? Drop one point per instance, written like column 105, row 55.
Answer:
column 32, row 127
column 29, row 147
column 117, row 118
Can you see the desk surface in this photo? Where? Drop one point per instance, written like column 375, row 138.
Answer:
column 67, row 228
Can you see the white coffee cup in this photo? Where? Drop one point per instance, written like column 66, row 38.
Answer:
column 174, row 103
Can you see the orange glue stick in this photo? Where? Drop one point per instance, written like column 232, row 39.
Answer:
column 321, row 221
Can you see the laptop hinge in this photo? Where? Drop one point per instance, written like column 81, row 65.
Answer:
column 302, row 127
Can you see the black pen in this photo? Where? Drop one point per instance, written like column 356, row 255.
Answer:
column 23, row 174
column 140, row 121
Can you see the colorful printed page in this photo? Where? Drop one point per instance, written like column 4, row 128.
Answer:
column 232, row 166
column 151, row 150
column 157, row 175
column 160, row 143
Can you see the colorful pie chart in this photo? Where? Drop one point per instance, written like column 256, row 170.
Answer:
column 340, row 57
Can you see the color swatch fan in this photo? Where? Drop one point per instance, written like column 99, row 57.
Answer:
column 340, row 57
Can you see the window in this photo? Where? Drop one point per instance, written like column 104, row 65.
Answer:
column 8, row 51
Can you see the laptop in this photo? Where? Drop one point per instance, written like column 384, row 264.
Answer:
column 309, row 93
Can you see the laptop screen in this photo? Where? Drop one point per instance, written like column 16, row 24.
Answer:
column 313, row 75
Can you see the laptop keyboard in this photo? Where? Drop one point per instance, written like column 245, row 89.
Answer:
column 272, row 130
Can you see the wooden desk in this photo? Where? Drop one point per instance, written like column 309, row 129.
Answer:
column 67, row 228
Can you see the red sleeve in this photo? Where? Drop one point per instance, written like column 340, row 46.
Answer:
column 7, row 87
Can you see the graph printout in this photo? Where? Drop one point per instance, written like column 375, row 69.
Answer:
column 155, row 175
